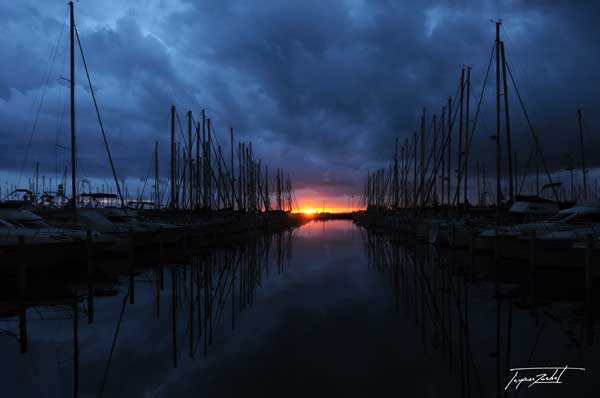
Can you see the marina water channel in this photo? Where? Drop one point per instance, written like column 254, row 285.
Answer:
column 325, row 309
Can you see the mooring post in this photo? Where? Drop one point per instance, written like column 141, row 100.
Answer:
column 174, row 315
column 90, row 275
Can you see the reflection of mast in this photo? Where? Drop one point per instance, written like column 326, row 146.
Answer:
column 22, row 284
column 191, row 313
column 174, row 314
column 440, row 308
column 75, row 347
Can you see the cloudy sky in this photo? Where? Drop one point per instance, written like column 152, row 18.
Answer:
column 321, row 88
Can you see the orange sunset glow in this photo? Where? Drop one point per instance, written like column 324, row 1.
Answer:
column 312, row 202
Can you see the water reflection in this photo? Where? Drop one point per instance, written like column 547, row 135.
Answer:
column 327, row 309
column 482, row 319
column 200, row 293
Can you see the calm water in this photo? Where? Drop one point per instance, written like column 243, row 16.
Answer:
column 325, row 310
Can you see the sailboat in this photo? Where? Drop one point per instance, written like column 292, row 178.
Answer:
column 553, row 239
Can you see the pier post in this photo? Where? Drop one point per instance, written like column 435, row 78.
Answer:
column 90, row 275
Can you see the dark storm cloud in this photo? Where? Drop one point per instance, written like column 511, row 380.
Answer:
column 320, row 88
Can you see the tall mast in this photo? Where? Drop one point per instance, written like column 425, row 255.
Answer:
column 448, row 202
column 72, row 85
column 209, row 163
column 240, row 179
column 479, row 201
column 516, row 173
column 232, row 170
column 405, row 164
column 190, row 168
column 434, row 171
column 583, row 170
column 423, row 142
column 511, row 189
column 460, row 138
column 197, row 179
column 267, row 197
column 401, row 187
column 37, row 179
column 173, row 203
column 156, row 188
column 206, row 164
column 537, row 174
column 443, row 137
column 498, row 125
column 467, row 138
column 415, row 171
column 395, row 181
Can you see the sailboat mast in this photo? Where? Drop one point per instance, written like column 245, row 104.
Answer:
column 231, row 142
column 511, row 189
column 156, row 187
column 197, row 179
column 189, row 161
column 173, row 203
column 72, row 86
column 415, row 170
column 442, row 155
column 434, row 152
column 423, row 144
column 467, row 140
column 449, row 203
column 460, row 137
column 583, row 170
column 498, row 125
column 395, row 181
